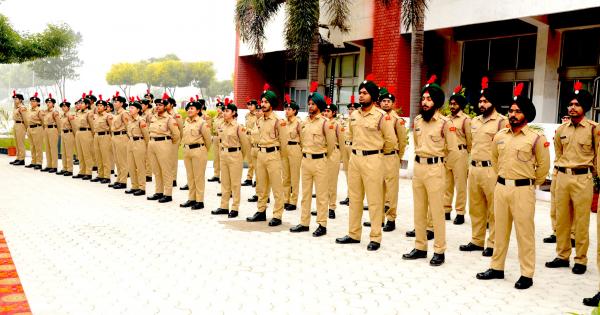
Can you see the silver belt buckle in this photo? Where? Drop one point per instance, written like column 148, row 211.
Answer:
column 510, row 182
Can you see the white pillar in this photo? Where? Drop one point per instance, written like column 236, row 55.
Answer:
column 545, row 76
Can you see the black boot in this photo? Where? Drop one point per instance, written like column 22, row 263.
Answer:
column 258, row 216
column 345, row 201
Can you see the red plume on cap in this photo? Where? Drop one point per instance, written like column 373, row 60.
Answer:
column 218, row 100
column 352, row 99
column 131, row 99
column 518, row 89
column 227, row 101
column 197, row 97
column 165, row 96
column 137, row 98
column 90, row 92
column 287, row 98
column 49, row 95
column 578, row 86
column 247, row 99
column 83, row 95
column 484, row 83
column 100, row 97
column 432, row 79
column 117, row 94
column 370, row 77
column 148, row 91
column 327, row 100
column 314, row 85
column 191, row 99
column 35, row 95
column 14, row 93
column 457, row 89
column 64, row 100
column 266, row 87
column 391, row 89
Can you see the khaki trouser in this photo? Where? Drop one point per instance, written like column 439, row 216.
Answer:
column 36, row 141
column 428, row 187
column 251, row 166
column 553, row 206
column 51, row 143
column 456, row 177
column 518, row 204
column 291, row 174
column 175, row 159
column 85, row 142
column 314, row 171
column 268, row 174
column 148, row 166
column 573, row 202
column 103, row 146
column 232, row 164
column 346, row 151
column 333, row 172
column 67, row 144
column 391, row 178
column 136, row 163
column 482, row 182
column 94, row 155
column 195, row 167
column 160, row 154
column 120, row 156
column 254, row 158
column 20, row 132
column 366, row 177
column 216, row 145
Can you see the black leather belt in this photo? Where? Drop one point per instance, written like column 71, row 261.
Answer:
column 515, row 182
column 102, row 133
column 481, row 163
column 51, row 126
column 269, row 149
column 573, row 171
column 367, row 152
column 85, row 129
column 429, row 160
column 292, row 142
column 392, row 152
column 161, row 138
column 35, row 126
column 231, row 149
column 194, row 145
column 462, row 146
column 137, row 138
column 118, row 133
column 67, row 130
column 314, row 156
column 18, row 122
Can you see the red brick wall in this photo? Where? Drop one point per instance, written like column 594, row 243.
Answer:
column 249, row 79
column 391, row 53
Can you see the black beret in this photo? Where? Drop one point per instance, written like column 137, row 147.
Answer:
column 582, row 96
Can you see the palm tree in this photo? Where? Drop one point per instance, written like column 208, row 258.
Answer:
column 302, row 29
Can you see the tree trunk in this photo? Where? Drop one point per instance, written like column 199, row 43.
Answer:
column 313, row 61
column 416, row 67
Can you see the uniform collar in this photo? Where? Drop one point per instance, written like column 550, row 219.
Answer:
column 584, row 123
column 493, row 116
column 525, row 130
column 370, row 111
column 292, row 119
column 192, row 120
column 459, row 115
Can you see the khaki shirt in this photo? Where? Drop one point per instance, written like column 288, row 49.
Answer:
column 483, row 131
column 119, row 121
column 521, row 155
column 66, row 121
column 35, row 116
column 101, row 122
column 369, row 130
column 178, row 120
column 196, row 131
column 20, row 114
column 233, row 135
column 575, row 146
column 436, row 137
column 293, row 129
column 84, row 119
column 164, row 126
column 51, row 118
column 137, row 127
column 271, row 131
column 316, row 136
column 462, row 122
column 217, row 124
column 250, row 124
column 401, row 133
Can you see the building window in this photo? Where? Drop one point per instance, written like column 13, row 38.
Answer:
column 296, row 70
column 341, row 75
column 500, row 54
column 581, row 48
column 300, row 96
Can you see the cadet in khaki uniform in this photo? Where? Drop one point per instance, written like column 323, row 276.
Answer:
column 272, row 139
column 456, row 166
column 137, row 131
column 215, row 142
column 255, row 139
column 435, row 138
column 481, row 173
column 575, row 144
column 67, row 139
column 84, row 139
column 118, row 127
column 250, row 124
column 521, row 158
column 172, row 110
column 102, row 142
column 392, row 160
column 234, row 146
column 292, row 157
column 164, row 132
column 51, row 123
column 347, row 147
column 35, row 133
column 370, row 134
column 92, row 108
column 333, row 159
column 317, row 142
column 196, row 142
column 145, row 115
column 21, row 118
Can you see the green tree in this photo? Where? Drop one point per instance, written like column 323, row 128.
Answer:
column 58, row 70
column 200, row 74
column 168, row 74
column 124, row 75
column 220, row 88
column 18, row 48
column 413, row 18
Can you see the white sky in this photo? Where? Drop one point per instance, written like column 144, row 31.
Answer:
column 130, row 30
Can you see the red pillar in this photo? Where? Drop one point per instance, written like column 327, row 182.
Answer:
column 248, row 78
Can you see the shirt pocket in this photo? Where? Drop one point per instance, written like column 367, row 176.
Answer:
column 524, row 153
column 586, row 146
column 194, row 132
column 318, row 138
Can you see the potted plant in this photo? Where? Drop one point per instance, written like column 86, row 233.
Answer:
column 596, row 180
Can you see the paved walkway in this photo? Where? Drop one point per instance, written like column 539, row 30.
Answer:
column 81, row 248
